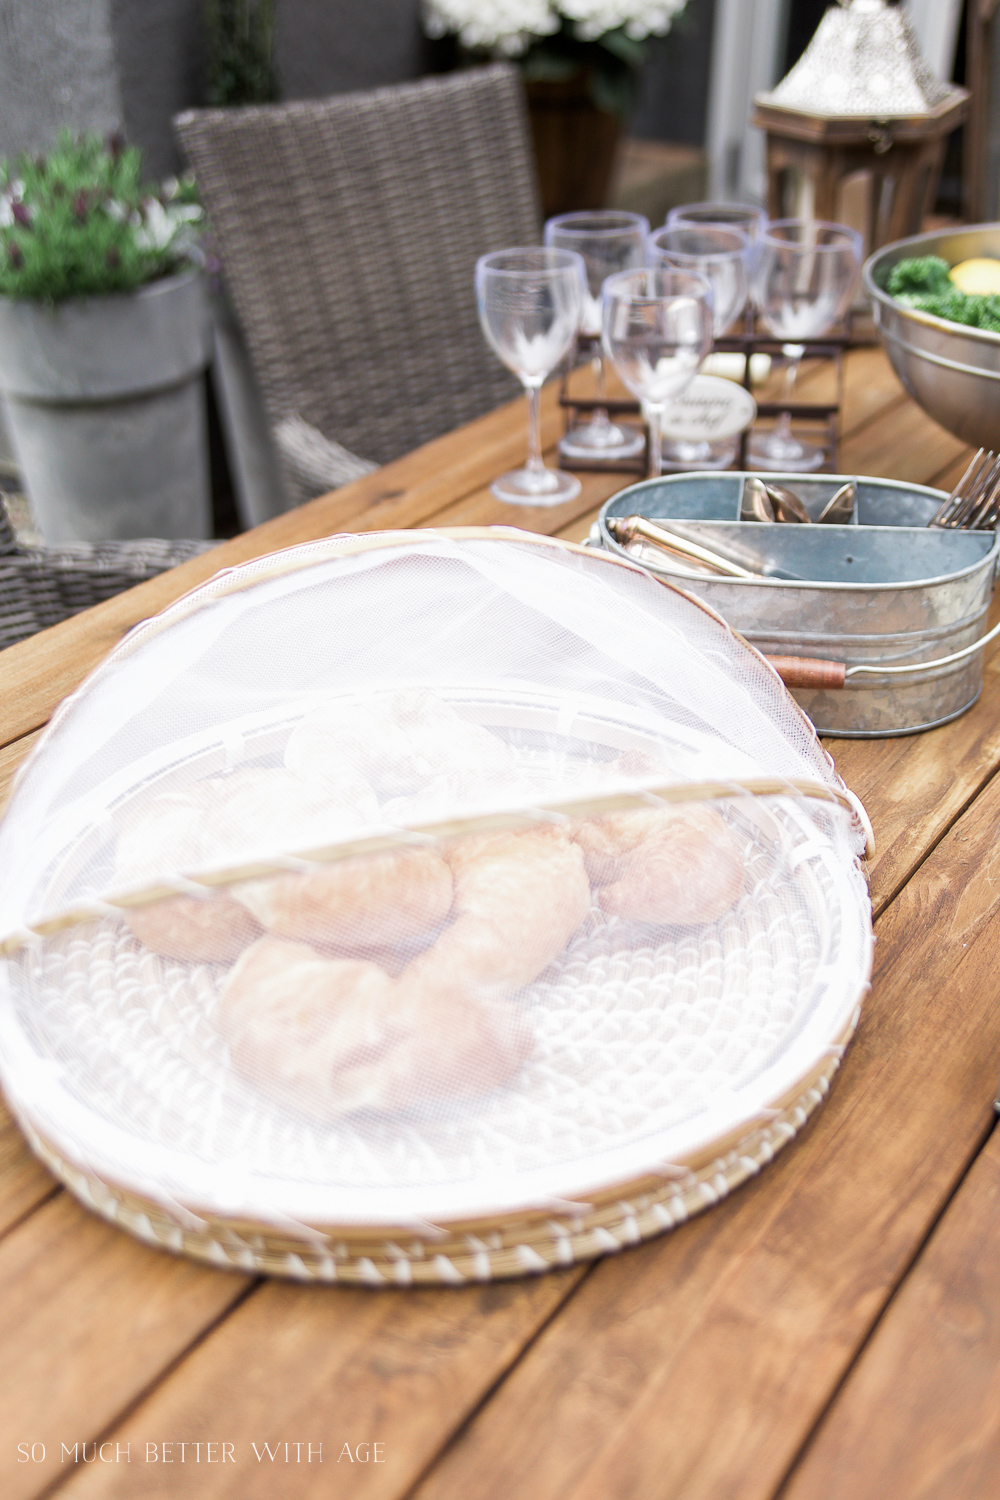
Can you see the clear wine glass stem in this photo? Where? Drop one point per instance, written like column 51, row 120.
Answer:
column 534, row 464
column 794, row 353
column 654, row 415
column 600, row 416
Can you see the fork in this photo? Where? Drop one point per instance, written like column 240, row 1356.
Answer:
column 974, row 503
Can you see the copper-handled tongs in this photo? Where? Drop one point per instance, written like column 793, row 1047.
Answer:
column 794, row 671
column 722, row 557
column 625, row 529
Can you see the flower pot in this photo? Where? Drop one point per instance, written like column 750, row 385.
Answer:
column 106, row 409
column 574, row 143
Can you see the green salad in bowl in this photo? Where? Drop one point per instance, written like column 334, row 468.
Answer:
column 935, row 300
column 968, row 293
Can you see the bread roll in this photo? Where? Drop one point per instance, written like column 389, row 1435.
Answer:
column 218, row 822
column 327, row 1037
column 356, row 906
column 672, row 865
column 399, row 741
column 519, row 898
column 259, row 811
column 667, row 866
column 165, row 839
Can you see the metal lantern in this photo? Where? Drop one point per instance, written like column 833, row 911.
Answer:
column 856, row 131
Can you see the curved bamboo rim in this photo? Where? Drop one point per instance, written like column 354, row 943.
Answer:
column 485, row 1249
column 203, row 883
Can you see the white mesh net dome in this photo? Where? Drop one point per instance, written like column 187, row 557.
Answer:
column 421, row 906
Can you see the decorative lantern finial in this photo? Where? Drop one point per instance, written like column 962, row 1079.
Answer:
column 859, row 116
column 864, row 59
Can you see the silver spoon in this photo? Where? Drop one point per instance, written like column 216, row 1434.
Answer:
column 756, row 502
column 839, row 509
column 786, row 504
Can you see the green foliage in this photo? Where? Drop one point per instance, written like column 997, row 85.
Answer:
column 240, row 50
column 958, row 307
column 924, row 284
column 81, row 222
column 926, row 273
column 625, row 47
column 611, row 62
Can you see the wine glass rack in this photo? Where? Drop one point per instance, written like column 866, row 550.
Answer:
column 819, row 420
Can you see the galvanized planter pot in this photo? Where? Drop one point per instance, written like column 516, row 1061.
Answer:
column 106, row 407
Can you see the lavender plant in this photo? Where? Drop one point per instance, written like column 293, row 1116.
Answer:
column 81, row 222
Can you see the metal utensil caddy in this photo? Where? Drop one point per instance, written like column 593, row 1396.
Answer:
column 881, row 593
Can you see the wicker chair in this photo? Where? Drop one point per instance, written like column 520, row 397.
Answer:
column 349, row 229
column 40, row 586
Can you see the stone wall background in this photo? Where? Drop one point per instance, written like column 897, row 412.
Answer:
column 57, row 67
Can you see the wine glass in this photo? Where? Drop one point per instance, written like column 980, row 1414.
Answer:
column 802, row 280
column 530, row 302
column 656, row 329
column 745, row 216
column 722, row 255
column 609, row 241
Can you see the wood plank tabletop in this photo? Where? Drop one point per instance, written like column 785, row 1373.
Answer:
column 830, row 1329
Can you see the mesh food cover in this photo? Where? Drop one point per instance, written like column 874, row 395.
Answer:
column 422, row 907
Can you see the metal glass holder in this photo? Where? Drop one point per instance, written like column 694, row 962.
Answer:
column 820, row 420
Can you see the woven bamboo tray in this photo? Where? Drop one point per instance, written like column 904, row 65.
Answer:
column 120, row 1085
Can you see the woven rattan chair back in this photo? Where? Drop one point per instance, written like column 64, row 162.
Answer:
column 349, row 230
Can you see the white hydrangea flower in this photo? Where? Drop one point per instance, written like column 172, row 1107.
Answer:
column 186, row 213
column 505, row 26
column 510, row 26
column 638, row 18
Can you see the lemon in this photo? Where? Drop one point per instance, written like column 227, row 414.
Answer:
column 979, row 276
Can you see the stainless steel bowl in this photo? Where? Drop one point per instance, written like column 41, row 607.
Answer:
column 951, row 371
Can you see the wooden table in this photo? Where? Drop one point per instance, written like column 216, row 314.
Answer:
column 830, row 1332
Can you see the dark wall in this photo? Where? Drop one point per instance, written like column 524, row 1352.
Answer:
column 159, row 52
column 330, row 46
column 321, row 47
column 803, row 18
column 674, row 96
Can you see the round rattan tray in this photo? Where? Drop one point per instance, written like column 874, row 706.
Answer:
column 670, row 1065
